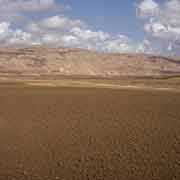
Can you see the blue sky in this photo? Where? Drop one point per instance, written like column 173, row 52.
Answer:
column 112, row 16
column 129, row 26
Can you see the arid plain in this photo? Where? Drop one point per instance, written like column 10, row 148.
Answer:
column 70, row 128
column 71, row 114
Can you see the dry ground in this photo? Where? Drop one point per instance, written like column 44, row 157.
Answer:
column 65, row 61
column 50, row 133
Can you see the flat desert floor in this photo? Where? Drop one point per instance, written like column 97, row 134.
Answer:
column 81, row 133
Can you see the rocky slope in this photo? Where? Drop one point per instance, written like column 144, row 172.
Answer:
column 45, row 60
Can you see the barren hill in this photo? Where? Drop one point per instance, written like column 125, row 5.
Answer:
column 45, row 60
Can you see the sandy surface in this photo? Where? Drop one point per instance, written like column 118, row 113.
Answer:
column 50, row 133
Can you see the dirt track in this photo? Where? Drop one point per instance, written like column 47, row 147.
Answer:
column 49, row 133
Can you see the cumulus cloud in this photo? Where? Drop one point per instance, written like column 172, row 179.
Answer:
column 54, row 24
column 81, row 37
column 4, row 30
column 162, row 24
column 10, row 37
column 27, row 5
column 60, row 30
column 56, row 30
column 144, row 47
column 20, row 37
column 162, row 21
column 148, row 8
column 97, row 40
column 60, row 22
column 13, row 10
column 119, row 43
column 87, row 34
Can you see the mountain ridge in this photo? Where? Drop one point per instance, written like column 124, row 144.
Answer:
column 71, row 61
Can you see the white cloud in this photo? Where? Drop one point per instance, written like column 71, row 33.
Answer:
column 10, row 37
column 162, row 31
column 57, row 30
column 13, row 10
column 4, row 27
column 60, row 30
column 120, row 43
column 162, row 21
column 100, row 41
column 172, row 12
column 70, row 40
column 145, row 47
column 5, row 31
column 60, row 22
column 87, row 34
column 49, row 39
column 34, row 28
column 26, row 5
column 148, row 8
column 20, row 38
column 80, row 37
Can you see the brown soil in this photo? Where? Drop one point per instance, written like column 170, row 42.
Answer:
column 44, row 60
column 61, row 133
